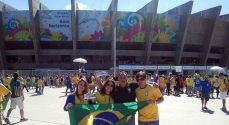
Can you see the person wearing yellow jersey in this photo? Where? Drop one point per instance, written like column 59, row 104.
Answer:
column 129, row 79
column 92, row 83
column 23, row 81
column 146, row 92
column 78, row 96
column 62, row 80
column 189, row 82
column 6, row 93
column 57, row 81
column 106, row 94
column 212, row 86
column 173, row 85
column 32, row 82
column 39, row 85
column 223, row 88
column 74, row 80
column 162, row 83
column 6, row 82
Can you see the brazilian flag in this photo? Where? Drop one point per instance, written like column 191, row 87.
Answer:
column 103, row 114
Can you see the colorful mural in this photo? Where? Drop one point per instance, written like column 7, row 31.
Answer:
column 166, row 28
column 17, row 26
column 55, row 25
column 94, row 25
column 130, row 27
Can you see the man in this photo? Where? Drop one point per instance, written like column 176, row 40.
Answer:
column 205, row 87
column 51, row 82
column 125, row 92
column 17, row 98
column 3, row 92
column 189, row 82
column 147, row 92
column 68, row 83
column 177, row 92
column 162, row 83
column 223, row 88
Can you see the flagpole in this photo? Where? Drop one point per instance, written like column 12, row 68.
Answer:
column 114, row 51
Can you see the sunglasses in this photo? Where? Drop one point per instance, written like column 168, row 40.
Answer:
column 141, row 79
column 109, row 85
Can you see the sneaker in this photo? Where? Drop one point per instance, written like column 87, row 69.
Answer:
column 7, row 121
column 23, row 119
column 205, row 108
column 224, row 109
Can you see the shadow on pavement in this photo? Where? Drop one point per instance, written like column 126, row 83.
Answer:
column 209, row 111
column 12, row 123
column 63, row 96
column 33, row 95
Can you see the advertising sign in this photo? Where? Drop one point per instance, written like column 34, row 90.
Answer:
column 55, row 25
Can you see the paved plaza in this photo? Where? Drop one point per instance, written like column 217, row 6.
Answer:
column 47, row 109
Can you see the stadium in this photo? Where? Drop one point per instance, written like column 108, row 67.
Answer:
column 45, row 40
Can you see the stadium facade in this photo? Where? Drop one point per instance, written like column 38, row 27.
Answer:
column 43, row 38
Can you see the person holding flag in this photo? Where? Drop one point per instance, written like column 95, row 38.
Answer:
column 106, row 94
column 78, row 96
column 146, row 92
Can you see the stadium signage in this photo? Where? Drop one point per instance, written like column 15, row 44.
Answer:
column 124, row 67
column 163, row 67
column 150, row 67
column 200, row 67
column 188, row 67
column 138, row 67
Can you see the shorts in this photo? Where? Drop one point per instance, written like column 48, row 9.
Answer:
column 17, row 102
column 162, row 86
column 189, row 88
column 69, row 86
column 205, row 97
column 223, row 95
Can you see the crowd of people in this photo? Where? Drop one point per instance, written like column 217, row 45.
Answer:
column 120, row 89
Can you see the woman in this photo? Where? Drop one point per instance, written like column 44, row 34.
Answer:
column 78, row 96
column 57, row 82
column 40, row 85
column 106, row 94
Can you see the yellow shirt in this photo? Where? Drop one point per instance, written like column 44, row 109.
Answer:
column 103, row 99
column 173, row 80
column 150, row 112
column 33, row 79
column 22, row 80
column 3, row 91
column 222, row 84
column 211, row 81
column 92, row 81
column 80, row 100
column 162, row 80
column 40, row 82
column 75, row 80
column 189, row 81
column 57, row 80
column 129, row 79
column 7, row 81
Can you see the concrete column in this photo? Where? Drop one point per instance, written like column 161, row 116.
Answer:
column 113, row 18
column 34, row 6
column 212, row 15
column 151, row 14
column 74, row 30
column 184, row 11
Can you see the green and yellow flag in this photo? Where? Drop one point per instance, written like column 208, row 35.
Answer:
column 103, row 114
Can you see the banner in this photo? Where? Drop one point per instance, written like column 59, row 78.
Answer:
column 94, row 26
column 131, row 27
column 17, row 26
column 55, row 25
column 166, row 28
column 103, row 114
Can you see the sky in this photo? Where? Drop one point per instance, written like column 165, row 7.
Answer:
column 123, row 5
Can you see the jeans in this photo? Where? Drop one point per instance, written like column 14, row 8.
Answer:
column 39, row 89
column 148, row 123
column 131, row 121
